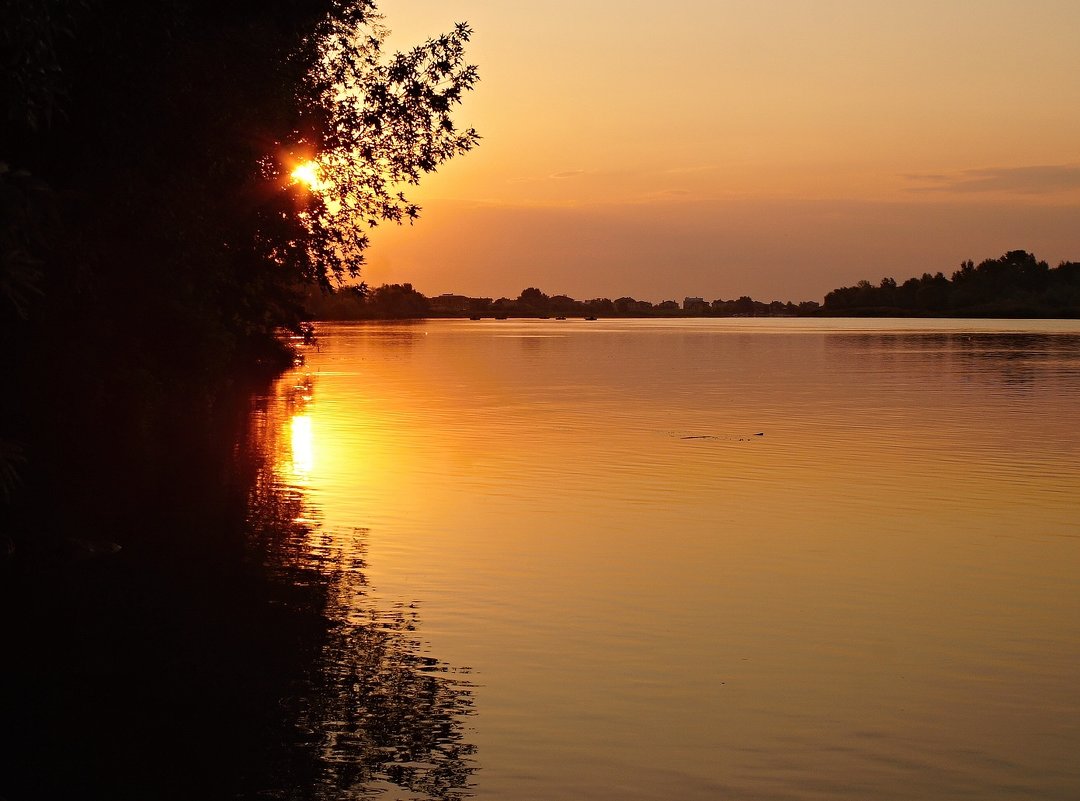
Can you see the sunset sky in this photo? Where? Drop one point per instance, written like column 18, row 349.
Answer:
column 776, row 148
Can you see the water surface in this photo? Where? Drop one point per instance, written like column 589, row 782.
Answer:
column 699, row 559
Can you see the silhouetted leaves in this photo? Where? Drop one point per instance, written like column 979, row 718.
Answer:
column 151, row 241
column 381, row 121
column 1014, row 285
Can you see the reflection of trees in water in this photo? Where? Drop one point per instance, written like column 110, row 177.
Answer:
column 380, row 711
column 989, row 345
column 399, row 337
column 371, row 713
column 1006, row 358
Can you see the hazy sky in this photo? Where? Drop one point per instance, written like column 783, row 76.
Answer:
column 776, row 148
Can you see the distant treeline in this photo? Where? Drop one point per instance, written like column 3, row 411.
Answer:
column 1015, row 285
column 402, row 301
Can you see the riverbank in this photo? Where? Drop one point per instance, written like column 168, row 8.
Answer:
column 148, row 649
column 179, row 635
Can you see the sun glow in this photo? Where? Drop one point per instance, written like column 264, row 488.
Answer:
column 308, row 174
column 303, row 447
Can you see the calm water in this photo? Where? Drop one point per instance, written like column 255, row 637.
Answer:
column 698, row 559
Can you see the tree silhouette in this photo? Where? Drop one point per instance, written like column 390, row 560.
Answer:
column 152, row 240
column 533, row 300
column 1015, row 285
column 152, row 244
column 396, row 301
column 376, row 123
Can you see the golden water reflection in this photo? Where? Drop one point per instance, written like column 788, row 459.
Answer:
column 380, row 714
column 303, row 448
column 876, row 597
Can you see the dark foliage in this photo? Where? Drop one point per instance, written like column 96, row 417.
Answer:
column 1015, row 285
column 401, row 301
column 152, row 239
column 153, row 247
column 156, row 672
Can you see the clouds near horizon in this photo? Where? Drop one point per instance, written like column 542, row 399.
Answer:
column 1035, row 180
column 774, row 149
column 769, row 249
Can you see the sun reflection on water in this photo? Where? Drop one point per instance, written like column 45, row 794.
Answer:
column 376, row 713
column 303, row 447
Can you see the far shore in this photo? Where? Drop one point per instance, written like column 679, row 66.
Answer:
column 822, row 314
column 1014, row 286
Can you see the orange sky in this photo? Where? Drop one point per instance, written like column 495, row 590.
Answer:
column 776, row 148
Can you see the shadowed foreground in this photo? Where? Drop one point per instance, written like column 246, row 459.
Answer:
column 176, row 671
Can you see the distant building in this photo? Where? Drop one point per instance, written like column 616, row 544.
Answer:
column 629, row 305
column 450, row 304
column 696, row 305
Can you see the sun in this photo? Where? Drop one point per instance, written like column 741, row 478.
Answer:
column 308, row 174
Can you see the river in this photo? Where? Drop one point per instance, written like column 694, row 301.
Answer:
column 690, row 559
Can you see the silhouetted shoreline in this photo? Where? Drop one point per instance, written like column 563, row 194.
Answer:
column 1015, row 285
column 156, row 251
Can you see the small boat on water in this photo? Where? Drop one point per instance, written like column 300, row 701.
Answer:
column 590, row 318
column 560, row 318
column 474, row 317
